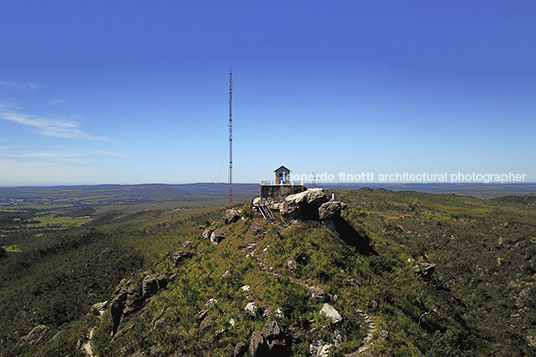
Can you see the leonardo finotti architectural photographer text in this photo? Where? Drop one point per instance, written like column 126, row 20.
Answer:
column 410, row 177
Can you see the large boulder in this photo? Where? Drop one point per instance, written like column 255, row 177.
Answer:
column 99, row 308
column 207, row 233
column 329, row 312
column 178, row 257
column 256, row 228
column 313, row 196
column 304, row 205
column 240, row 349
column 129, row 298
column 271, row 341
column 149, row 286
column 329, row 210
column 231, row 216
column 217, row 236
column 126, row 300
column 257, row 347
column 273, row 336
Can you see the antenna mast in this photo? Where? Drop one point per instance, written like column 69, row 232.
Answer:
column 230, row 139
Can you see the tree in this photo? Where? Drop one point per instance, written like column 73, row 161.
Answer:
column 444, row 345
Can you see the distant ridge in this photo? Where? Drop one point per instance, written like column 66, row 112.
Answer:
column 114, row 193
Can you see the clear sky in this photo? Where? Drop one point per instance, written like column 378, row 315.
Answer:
column 129, row 92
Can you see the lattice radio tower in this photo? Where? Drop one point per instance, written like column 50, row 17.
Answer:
column 230, row 139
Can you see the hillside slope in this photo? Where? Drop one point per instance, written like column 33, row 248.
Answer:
column 441, row 275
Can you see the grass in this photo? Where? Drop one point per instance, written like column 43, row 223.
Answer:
column 12, row 248
column 484, row 249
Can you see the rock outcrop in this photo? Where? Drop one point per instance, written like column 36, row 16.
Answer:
column 207, row 233
column 312, row 204
column 231, row 216
column 206, row 324
column 270, row 341
column 273, row 335
column 99, row 308
column 34, row 336
column 130, row 298
column 217, row 236
column 424, row 271
column 304, row 205
column 179, row 256
column 319, row 349
column 329, row 312
column 316, row 292
column 240, row 349
column 329, row 210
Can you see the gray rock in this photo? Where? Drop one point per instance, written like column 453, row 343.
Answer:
column 315, row 196
column 329, row 312
column 158, row 324
column 273, row 335
column 428, row 269
column 251, row 308
column 337, row 338
column 178, row 257
column 424, row 271
column 219, row 333
column 211, row 302
column 207, row 233
column 316, row 292
column 149, row 286
column 99, row 308
column 271, row 341
column 256, row 228
column 329, row 210
column 231, row 216
column 240, row 349
column 127, row 299
column 417, row 270
column 217, row 236
column 257, row 347
column 205, row 325
column 293, row 267
column 384, row 334
column 353, row 282
column 188, row 243
column 318, row 349
column 201, row 315
column 34, row 336
column 304, row 204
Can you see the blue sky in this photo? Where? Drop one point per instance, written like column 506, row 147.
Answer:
column 131, row 92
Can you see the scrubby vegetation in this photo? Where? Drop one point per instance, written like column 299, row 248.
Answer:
column 444, row 275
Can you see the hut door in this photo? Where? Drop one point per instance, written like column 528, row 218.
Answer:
column 282, row 177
